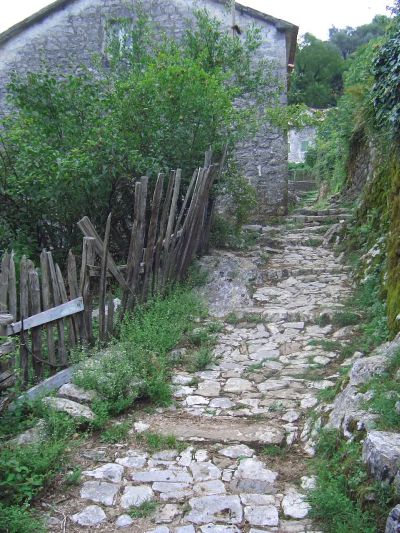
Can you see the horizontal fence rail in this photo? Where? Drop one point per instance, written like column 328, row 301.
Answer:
column 53, row 310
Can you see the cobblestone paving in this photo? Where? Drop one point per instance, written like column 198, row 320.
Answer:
column 259, row 395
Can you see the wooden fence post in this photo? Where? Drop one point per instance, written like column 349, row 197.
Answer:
column 4, row 273
column 24, row 313
column 47, row 304
column 88, row 255
column 35, row 308
column 151, row 237
column 103, row 282
column 55, row 289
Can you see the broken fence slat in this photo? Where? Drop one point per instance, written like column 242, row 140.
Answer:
column 6, row 348
column 56, row 313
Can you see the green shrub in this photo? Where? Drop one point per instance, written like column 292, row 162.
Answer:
column 340, row 502
column 116, row 433
column 139, row 363
column 386, row 395
column 19, row 519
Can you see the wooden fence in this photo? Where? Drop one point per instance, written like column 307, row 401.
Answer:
column 52, row 312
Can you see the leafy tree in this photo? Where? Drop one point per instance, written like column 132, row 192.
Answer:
column 349, row 39
column 329, row 157
column 317, row 78
column 386, row 70
column 75, row 144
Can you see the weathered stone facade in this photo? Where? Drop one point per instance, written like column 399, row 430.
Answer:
column 300, row 141
column 68, row 33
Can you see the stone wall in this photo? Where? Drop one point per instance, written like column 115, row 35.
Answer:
column 71, row 35
column 361, row 165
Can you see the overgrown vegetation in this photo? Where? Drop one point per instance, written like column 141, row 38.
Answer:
column 74, row 145
column 137, row 364
column 25, row 470
column 345, row 499
column 386, row 396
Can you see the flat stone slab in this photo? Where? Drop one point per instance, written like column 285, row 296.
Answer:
column 135, row 496
column 252, row 477
column 219, row 431
column 237, row 385
column 381, row 453
column 93, row 515
column 209, row 388
column 234, row 452
column 75, row 393
column 123, row 521
column 294, row 505
column 204, row 471
column 172, row 476
column 100, row 492
column 108, row 472
column 134, row 460
column 265, row 515
column 70, row 407
column 206, row 509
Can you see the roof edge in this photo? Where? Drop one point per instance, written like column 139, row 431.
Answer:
column 36, row 17
column 58, row 5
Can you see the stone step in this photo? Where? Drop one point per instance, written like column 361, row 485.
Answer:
column 320, row 219
column 221, row 430
column 321, row 212
column 309, row 230
column 283, row 273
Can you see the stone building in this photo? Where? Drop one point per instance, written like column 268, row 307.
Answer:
column 300, row 141
column 67, row 34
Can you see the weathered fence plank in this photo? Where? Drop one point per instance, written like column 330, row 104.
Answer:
column 5, row 265
column 35, row 309
column 152, row 236
column 88, row 253
column 45, row 317
column 24, row 313
column 103, row 281
column 12, row 287
column 55, row 289
column 47, row 304
column 88, row 230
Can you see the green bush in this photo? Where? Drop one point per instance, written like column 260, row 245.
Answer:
column 139, row 364
column 342, row 499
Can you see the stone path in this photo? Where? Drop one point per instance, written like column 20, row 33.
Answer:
column 247, row 420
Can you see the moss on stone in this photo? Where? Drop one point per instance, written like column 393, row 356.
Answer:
column 393, row 271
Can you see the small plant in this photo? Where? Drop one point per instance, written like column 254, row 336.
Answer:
column 116, row 433
column 253, row 318
column 232, row 318
column 346, row 318
column 144, row 510
column 276, row 407
column 201, row 360
column 327, row 345
column 155, row 442
column 215, row 327
column 272, row 450
column 200, row 337
column 314, row 243
column 250, row 318
column 74, row 477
